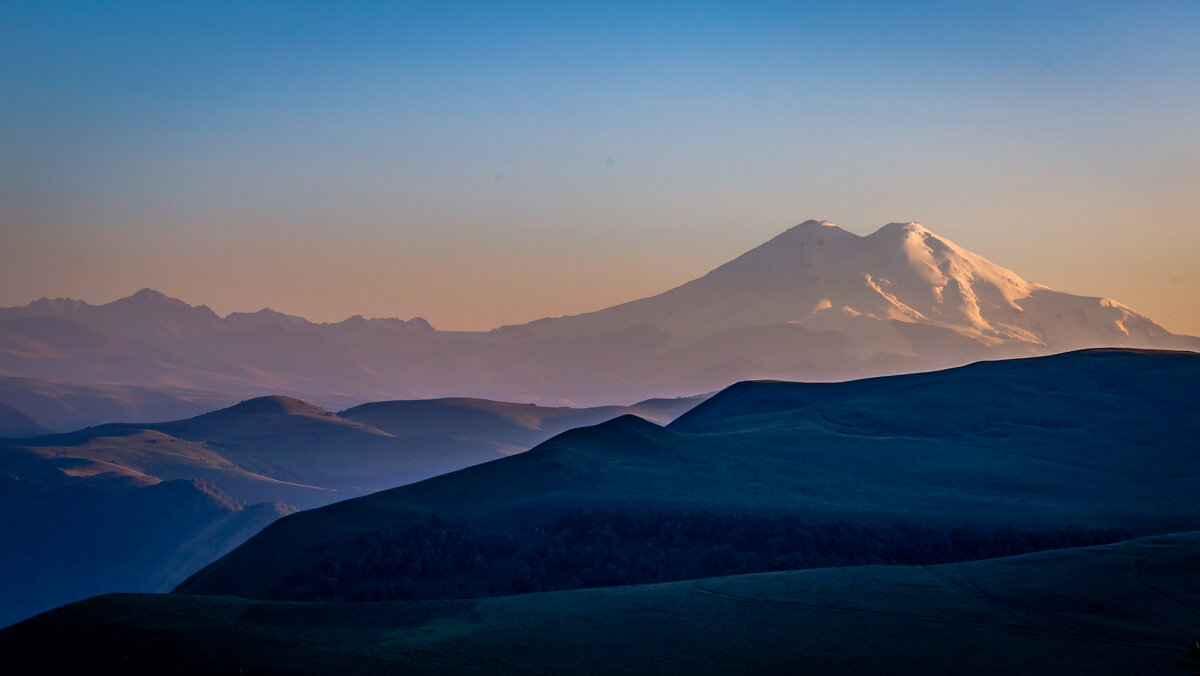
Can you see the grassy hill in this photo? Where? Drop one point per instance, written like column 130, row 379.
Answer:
column 1093, row 439
column 77, row 505
column 1128, row 608
column 282, row 448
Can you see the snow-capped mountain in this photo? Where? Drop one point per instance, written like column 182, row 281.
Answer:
column 821, row 277
column 814, row 303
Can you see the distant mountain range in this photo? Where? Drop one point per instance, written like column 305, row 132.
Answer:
column 815, row 303
column 45, row 406
column 138, row 507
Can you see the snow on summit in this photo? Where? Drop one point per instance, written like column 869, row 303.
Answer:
column 821, row 278
column 813, row 303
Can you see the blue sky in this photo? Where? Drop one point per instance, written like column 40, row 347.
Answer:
column 450, row 159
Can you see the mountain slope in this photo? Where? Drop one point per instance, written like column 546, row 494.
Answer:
column 14, row 423
column 979, row 446
column 65, row 406
column 59, row 349
column 1087, row 391
column 1127, row 608
column 67, row 537
column 820, row 303
column 282, row 448
column 244, row 461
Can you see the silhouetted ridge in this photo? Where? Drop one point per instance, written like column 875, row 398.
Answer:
column 1070, row 386
column 747, row 396
column 624, row 431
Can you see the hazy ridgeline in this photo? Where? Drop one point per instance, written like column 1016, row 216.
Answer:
column 151, row 503
column 815, row 303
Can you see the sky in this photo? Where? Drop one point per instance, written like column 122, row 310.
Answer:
column 480, row 164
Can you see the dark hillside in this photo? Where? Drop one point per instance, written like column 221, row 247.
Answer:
column 1041, row 444
column 67, row 539
column 1123, row 609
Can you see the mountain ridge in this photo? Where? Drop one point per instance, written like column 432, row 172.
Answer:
column 815, row 302
column 1033, row 443
column 148, row 298
column 226, row 474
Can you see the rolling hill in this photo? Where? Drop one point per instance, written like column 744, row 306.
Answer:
column 1092, row 439
column 148, row 504
column 1128, row 608
column 815, row 482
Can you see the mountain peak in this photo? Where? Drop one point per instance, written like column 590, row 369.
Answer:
column 276, row 404
column 819, row 228
column 911, row 226
column 54, row 306
column 628, row 432
column 148, row 296
column 902, row 232
column 809, row 231
column 812, row 226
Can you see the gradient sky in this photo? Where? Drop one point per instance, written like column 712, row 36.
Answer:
column 488, row 163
